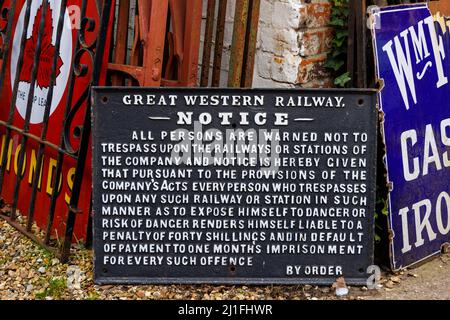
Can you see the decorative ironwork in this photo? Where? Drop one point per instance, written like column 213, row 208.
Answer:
column 87, row 63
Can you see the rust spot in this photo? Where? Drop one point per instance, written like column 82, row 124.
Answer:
column 442, row 7
column 390, row 235
column 278, row 60
column 379, row 85
column 319, row 10
column 390, row 186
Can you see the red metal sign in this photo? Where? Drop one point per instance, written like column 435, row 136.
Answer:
column 61, row 99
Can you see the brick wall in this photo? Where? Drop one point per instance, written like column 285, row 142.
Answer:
column 293, row 41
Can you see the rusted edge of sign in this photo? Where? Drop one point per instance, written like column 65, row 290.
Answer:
column 228, row 281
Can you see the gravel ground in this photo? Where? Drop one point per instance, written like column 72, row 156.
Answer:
column 29, row 272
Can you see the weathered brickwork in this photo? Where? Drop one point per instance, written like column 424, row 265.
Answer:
column 293, row 44
column 294, row 38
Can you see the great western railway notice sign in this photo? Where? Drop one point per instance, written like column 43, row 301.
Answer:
column 233, row 186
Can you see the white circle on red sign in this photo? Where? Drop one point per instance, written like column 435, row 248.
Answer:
column 48, row 43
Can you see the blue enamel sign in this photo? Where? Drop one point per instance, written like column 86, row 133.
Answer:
column 412, row 49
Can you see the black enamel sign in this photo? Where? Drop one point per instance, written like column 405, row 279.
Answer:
column 233, row 186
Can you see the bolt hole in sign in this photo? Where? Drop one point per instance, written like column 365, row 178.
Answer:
column 412, row 48
column 61, row 94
